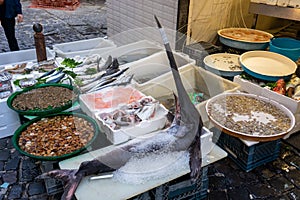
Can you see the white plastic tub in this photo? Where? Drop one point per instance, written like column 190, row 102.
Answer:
column 22, row 56
column 83, row 47
column 195, row 79
column 134, row 51
column 150, row 68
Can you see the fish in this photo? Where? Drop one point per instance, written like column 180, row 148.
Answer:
column 183, row 134
column 122, row 80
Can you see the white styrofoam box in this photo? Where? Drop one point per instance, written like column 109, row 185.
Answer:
column 151, row 67
column 3, row 106
column 22, row 56
column 271, row 2
column 194, row 79
column 8, row 130
column 136, row 48
column 283, row 3
column 294, row 3
column 252, row 88
column 107, row 98
column 9, row 118
column 83, row 47
column 206, row 142
column 144, row 127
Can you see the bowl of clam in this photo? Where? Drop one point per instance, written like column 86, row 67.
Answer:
column 250, row 117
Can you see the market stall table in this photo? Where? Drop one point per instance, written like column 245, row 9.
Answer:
column 114, row 190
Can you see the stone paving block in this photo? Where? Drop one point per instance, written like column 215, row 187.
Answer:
column 36, row 188
column 12, row 164
column 10, row 177
column 294, row 195
column 261, row 191
column 238, row 193
column 267, row 174
column 294, row 177
column 15, row 192
column 15, row 153
column 217, row 195
column 1, row 165
column 3, row 141
column 4, row 154
column 281, row 184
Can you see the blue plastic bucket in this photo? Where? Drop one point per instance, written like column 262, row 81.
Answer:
column 288, row 47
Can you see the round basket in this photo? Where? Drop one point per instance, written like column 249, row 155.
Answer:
column 16, row 136
column 42, row 112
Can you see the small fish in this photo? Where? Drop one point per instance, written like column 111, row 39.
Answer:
column 56, row 79
column 125, row 80
column 93, row 86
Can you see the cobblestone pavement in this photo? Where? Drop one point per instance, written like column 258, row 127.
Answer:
column 87, row 21
column 279, row 179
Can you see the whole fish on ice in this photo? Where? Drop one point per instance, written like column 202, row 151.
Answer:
column 183, row 134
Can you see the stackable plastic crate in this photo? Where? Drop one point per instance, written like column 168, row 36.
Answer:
column 200, row 50
column 248, row 157
column 180, row 188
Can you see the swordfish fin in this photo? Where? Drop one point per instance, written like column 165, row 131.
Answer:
column 72, row 177
column 69, row 177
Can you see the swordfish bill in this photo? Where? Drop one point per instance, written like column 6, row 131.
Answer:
column 189, row 114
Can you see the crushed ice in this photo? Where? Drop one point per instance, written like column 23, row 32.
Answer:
column 153, row 166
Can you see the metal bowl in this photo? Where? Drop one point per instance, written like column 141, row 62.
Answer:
column 244, row 38
column 268, row 66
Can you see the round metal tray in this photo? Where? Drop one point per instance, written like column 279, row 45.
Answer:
column 23, row 127
column 247, row 136
column 42, row 112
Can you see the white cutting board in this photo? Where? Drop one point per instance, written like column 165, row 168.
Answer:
column 111, row 189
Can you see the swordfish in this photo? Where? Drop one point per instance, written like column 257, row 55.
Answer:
column 183, row 134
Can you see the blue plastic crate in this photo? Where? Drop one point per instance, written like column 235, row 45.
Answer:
column 248, row 157
column 179, row 189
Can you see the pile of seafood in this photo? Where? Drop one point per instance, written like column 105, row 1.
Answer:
column 56, row 136
column 248, row 115
column 93, row 73
column 43, row 98
column 131, row 114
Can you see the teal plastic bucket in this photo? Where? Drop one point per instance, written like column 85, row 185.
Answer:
column 288, row 47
